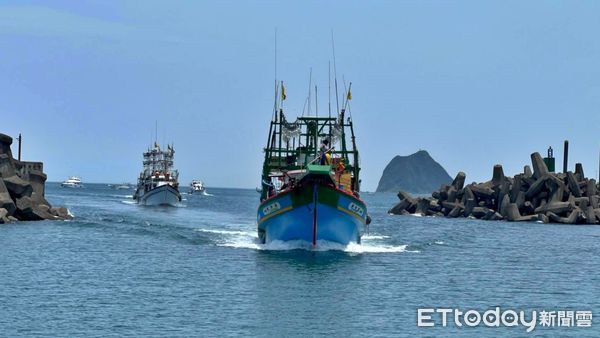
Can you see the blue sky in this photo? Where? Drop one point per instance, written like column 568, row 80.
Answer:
column 475, row 83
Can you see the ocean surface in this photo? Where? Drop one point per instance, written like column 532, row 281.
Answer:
column 197, row 270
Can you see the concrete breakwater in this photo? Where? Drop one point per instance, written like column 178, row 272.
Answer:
column 22, row 189
column 538, row 195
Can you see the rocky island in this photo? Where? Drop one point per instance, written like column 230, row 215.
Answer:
column 22, row 189
column 538, row 195
column 417, row 173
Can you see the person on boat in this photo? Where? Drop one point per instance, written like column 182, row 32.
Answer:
column 323, row 149
column 270, row 188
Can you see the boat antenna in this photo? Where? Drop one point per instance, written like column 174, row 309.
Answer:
column 337, row 102
column 155, row 131
column 304, row 106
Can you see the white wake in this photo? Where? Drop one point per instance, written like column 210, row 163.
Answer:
column 242, row 239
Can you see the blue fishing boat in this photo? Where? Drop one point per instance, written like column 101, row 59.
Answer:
column 310, row 180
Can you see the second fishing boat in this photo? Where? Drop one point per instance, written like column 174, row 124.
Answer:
column 157, row 183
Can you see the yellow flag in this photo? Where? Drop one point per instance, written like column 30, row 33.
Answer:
column 349, row 94
column 283, row 96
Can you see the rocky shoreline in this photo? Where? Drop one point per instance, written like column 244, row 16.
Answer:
column 538, row 195
column 22, row 190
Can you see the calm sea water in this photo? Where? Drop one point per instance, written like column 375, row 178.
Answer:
column 197, row 270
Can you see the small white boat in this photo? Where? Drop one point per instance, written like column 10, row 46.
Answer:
column 197, row 186
column 72, row 182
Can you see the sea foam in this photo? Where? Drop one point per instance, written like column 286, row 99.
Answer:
column 248, row 240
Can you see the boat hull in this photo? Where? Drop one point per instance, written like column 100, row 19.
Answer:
column 71, row 185
column 312, row 213
column 162, row 195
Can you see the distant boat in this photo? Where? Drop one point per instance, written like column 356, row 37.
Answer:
column 197, row 186
column 72, row 182
column 311, row 192
column 157, row 183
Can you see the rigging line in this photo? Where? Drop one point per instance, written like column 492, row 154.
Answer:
column 304, row 107
column 349, row 111
column 347, row 90
column 347, row 104
column 337, row 102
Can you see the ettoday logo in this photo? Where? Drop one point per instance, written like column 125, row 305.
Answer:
column 496, row 318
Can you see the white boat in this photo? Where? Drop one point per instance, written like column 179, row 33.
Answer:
column 197, row 186
column 72, row 182
column 157, row 183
